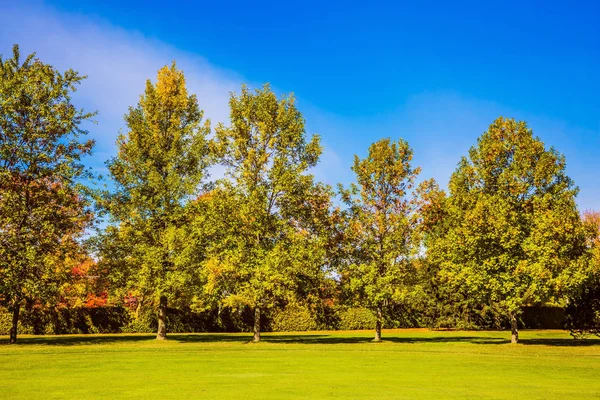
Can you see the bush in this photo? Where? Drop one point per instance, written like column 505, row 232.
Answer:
column 58, row 320
column 357, row 318
column 139, row 326
column 292, row 318
column 543, row 317
column 5, row 322
column 402, row 316
column 583, row 310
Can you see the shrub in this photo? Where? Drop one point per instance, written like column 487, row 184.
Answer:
column 543, row 317
column 357, row 318
column 583, row 310
column 6, row 322
column 139, row 326
column 60, row 320
column 294, row 317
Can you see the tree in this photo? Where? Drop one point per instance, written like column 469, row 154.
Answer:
column 159, row 167
column 44, row 205
column 513, row 235
column 583, row 306
column 381, row 234
column 269, row 249
column 444, row 306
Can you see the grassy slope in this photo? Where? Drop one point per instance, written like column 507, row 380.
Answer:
column 346, row 365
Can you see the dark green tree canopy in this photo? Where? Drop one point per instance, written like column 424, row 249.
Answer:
column 514, row 235
column 44, row 203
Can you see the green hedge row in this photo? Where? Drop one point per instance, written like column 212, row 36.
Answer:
column 291, row 318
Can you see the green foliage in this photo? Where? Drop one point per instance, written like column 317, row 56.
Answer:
column 269, row 244
column 143, row 322
column 294, row 318
column 505, row 239
column 44, row 205
column 159, row 167
column 381, row 236
column 357, row 318
column 512, row 235
column 61, row 320
column 543, row 317
column 583, row 309
column 6, row 323
column 583, row 306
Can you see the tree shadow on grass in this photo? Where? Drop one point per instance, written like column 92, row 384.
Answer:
column 75, row 340
column 312, row 339
column 561, row 342
column 342, row 339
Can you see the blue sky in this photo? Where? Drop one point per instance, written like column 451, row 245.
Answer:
column 435, row 74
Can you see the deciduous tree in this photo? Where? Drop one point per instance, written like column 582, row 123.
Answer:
column 44, row 205
column 381, row 236
column 514, row 237
column 270, row 249
column 583, row 306
column 159, row 167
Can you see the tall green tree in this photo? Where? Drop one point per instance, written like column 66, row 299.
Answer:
column 269, row 248
column 159, row 168
column 514, row 236
column 381, row 236
column 44, row 205
column 583, row 305
column 444, row 306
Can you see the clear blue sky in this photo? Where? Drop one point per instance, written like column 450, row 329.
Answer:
column 434, row 73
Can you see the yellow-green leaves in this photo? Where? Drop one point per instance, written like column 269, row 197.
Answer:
column 512, row 235
column 161, row 162
column 267, row 245
column 381, row 235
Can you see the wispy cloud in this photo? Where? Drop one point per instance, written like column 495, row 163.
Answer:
column 117, row 63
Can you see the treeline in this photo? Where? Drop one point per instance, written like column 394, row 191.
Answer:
column 268, row 246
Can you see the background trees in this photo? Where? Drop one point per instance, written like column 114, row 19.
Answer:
column 159, row 167
column 381, row 234
column 514, row 235
column 44, row 205
column 583, row 307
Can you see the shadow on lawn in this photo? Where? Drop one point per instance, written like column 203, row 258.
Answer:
column 73, row 340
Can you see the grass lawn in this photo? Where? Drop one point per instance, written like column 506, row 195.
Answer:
column 408, row 364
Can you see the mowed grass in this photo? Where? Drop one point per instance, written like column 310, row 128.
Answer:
column 408, row 364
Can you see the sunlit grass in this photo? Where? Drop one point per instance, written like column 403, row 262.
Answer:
column 344, row 365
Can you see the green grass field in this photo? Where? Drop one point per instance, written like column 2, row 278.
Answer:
column 409, row 364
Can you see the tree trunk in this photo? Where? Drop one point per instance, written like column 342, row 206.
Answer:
column 162, row 319
column 256, row 338
column 514, row 331
column 378, row 325
column 15, row 320
column 138, row 308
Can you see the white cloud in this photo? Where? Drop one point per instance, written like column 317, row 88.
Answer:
column 117, row 62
